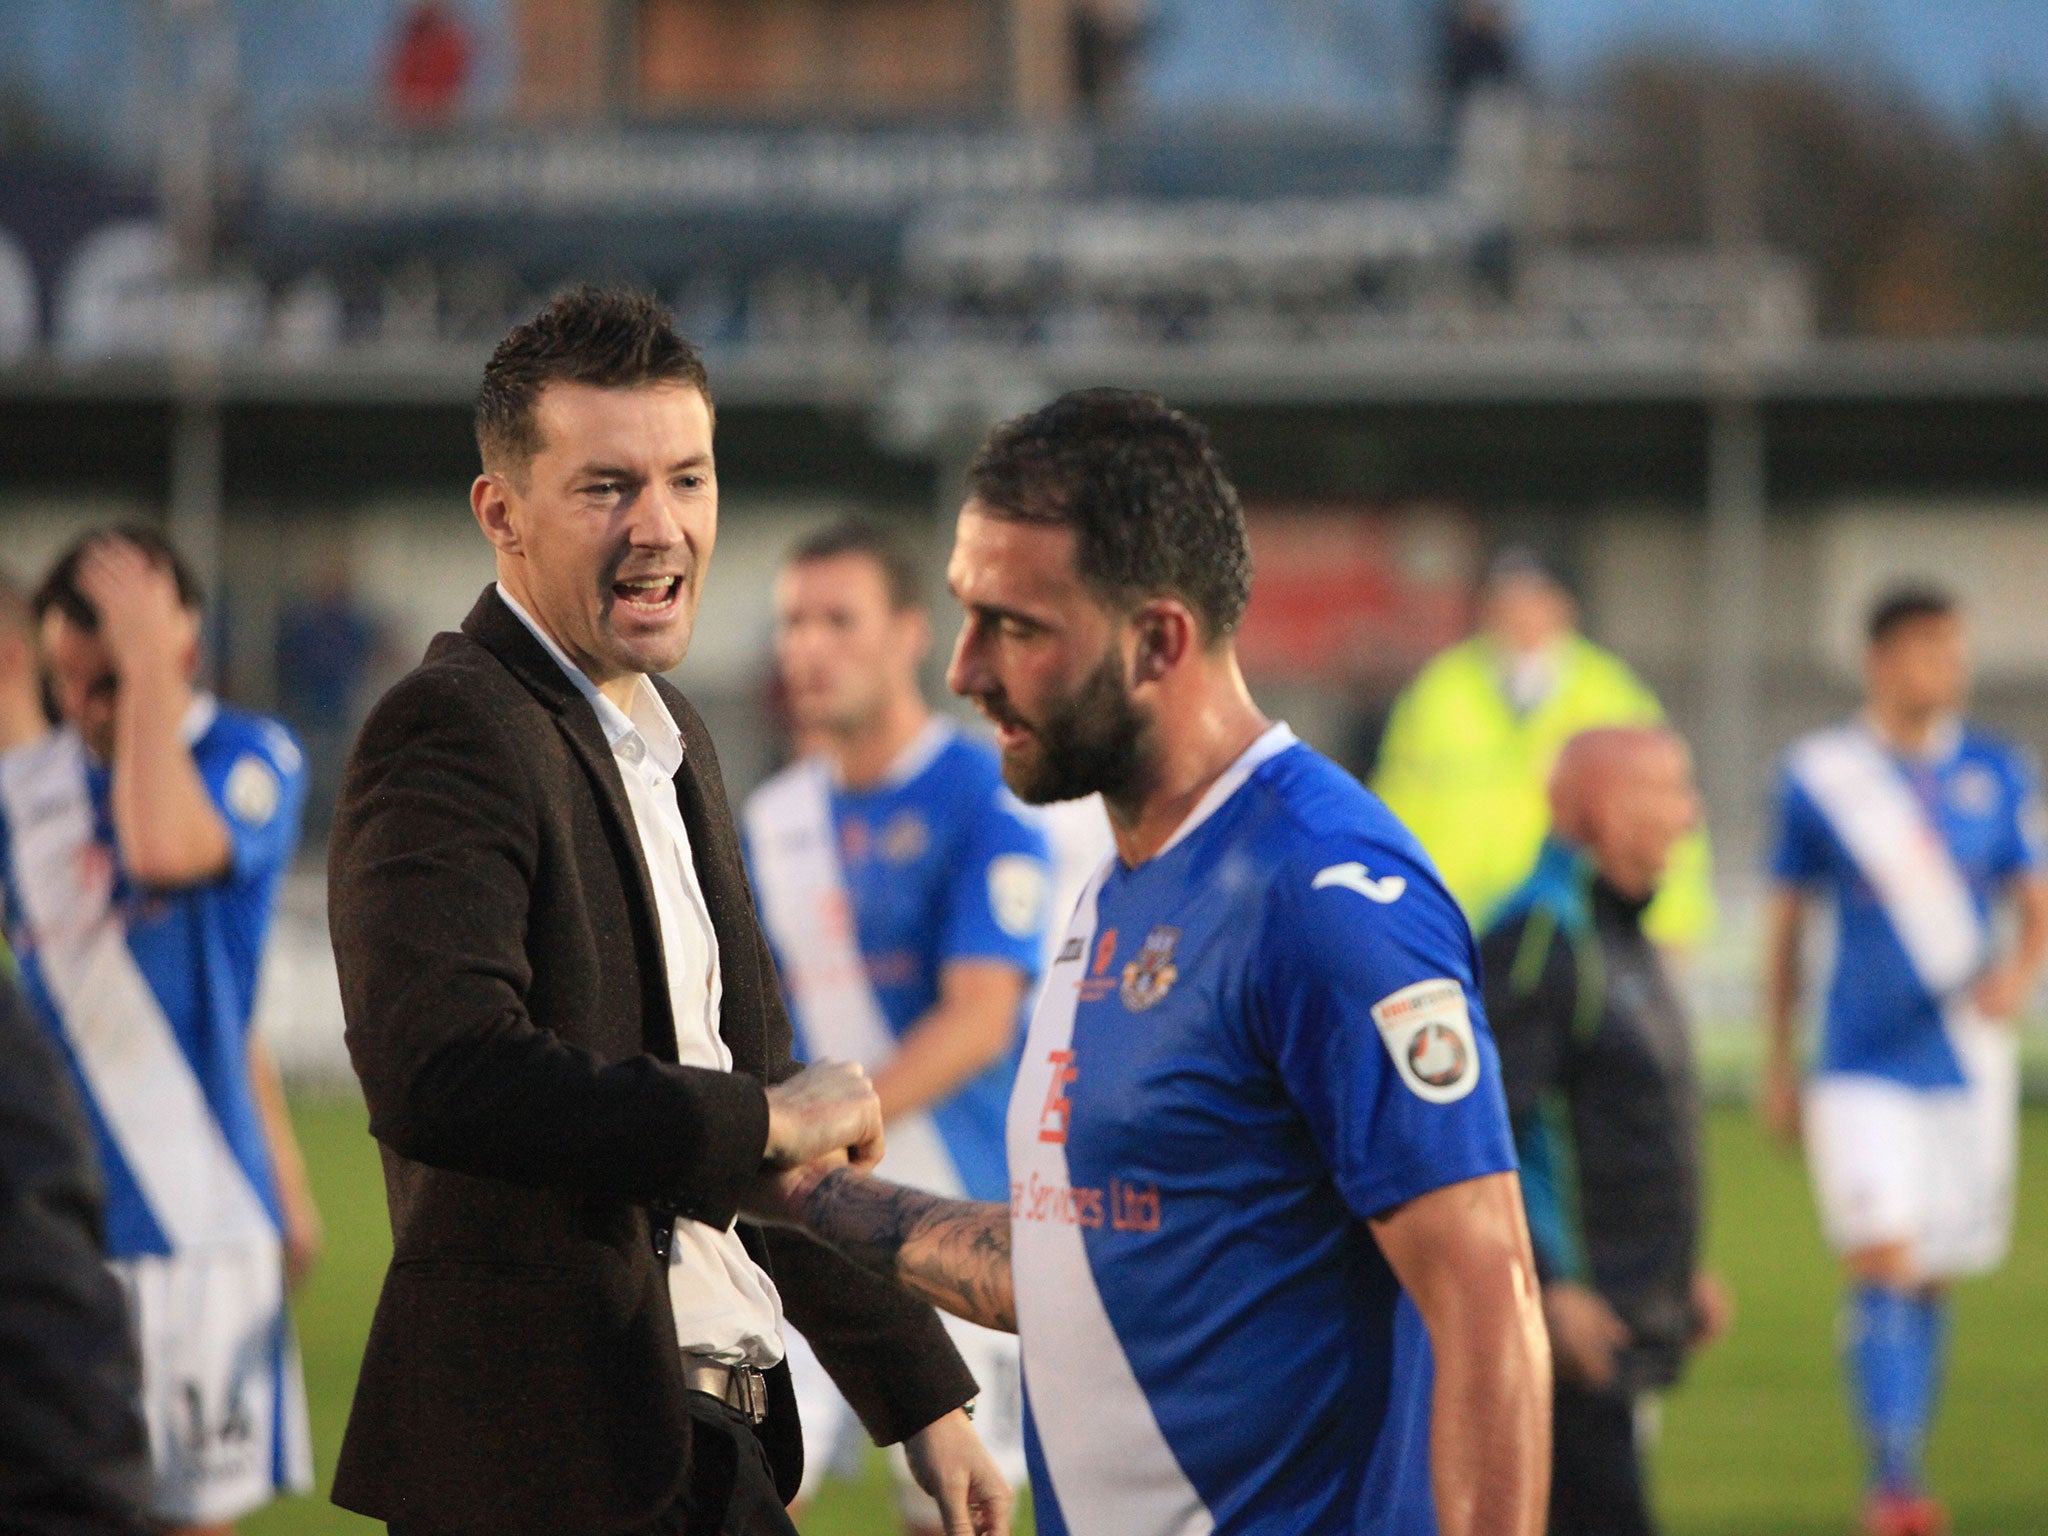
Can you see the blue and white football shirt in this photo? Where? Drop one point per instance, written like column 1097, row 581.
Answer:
column 1248, row 1045
column 1978, row 793
column 941, row 863
column 149, row 993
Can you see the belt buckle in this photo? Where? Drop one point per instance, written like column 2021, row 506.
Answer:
column 747, row 1391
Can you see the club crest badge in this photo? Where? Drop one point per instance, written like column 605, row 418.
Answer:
column 1151, row 976
column 905, row 838
column 1427, row 1029
column 1974, row 790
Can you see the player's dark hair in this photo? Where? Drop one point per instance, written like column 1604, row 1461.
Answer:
column 1906, row 605
column 902, row 575
column 1139, row 483
column 613, row 338
column 60, row 588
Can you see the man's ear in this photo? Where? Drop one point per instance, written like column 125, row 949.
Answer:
column 188, row 645
column 491, row 502
column 1165, row 636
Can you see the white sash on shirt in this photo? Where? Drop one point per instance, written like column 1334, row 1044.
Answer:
column 1905, row 859
column 1111, row 1466
column 809, row 918
column 1901, row 853
column 139, row 1077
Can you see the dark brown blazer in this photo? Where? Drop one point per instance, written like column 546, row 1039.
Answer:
column 507, row 1011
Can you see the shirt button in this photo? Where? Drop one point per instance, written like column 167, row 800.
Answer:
column 631, row 749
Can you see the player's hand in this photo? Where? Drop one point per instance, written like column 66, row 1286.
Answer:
column 778, row 1197
column 304, row 1236
column 2001, row 992
column 1585, row 1333
column 952, row 1465
column 1777, row 1103
column 830, row 1106
column 1713, row 1309
column 141, row 619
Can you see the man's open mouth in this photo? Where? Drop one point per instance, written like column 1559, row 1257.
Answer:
column 648, row 594
column 1010, row 731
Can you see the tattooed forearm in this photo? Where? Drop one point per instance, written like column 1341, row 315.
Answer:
column 954, row 1253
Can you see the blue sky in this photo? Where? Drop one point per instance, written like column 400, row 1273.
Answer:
column 1338, row 55
column 87, row 60
column 317, row 59
column 1958, row 54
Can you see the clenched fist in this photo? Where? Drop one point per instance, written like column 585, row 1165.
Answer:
column 829, row 1107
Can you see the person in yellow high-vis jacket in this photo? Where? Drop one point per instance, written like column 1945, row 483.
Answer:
column 1468, row 749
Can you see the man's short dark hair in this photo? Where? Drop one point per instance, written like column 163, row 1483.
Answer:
column 613, row 338
column 60, row 588
column 1906, row 605
column 902, row 575
column 1144, row 491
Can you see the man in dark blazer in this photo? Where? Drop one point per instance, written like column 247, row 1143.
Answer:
column 567, row 1028
column 74, row 1458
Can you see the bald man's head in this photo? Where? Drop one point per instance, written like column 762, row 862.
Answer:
column 1625, row 795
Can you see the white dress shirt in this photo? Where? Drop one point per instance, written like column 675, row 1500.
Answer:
column 726, row 1307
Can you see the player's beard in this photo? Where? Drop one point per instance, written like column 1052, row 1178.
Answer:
column 1095, row 740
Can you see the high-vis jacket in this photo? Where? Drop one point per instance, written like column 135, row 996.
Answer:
column 1470, row 776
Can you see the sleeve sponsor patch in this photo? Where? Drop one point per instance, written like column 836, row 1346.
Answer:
column 1427, row 1029
column 1017, row 894
column 252, row 790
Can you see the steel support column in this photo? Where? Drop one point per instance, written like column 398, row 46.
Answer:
column 194, row 521
column 1732, row 636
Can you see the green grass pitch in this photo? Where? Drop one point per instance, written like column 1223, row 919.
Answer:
column 1756, row 1442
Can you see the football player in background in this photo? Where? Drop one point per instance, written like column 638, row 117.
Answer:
column 142, row 846
column 1264, row 1243
column 22, row 718
column 904, row 891
column 1916, row 828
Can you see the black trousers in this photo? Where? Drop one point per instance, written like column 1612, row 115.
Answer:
column 732, row 1490
column 1596, row 1474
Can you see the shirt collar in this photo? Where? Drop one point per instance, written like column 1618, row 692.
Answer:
column 199, row 717
column 918, row 754
column 649, row 720
column 1274, row 740
column 1943, row 742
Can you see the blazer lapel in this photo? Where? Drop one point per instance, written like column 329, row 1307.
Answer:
column 500, row 631
column 727, row 924
column 722, row 876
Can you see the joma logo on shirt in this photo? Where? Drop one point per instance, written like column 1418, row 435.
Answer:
column 1354, row 876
